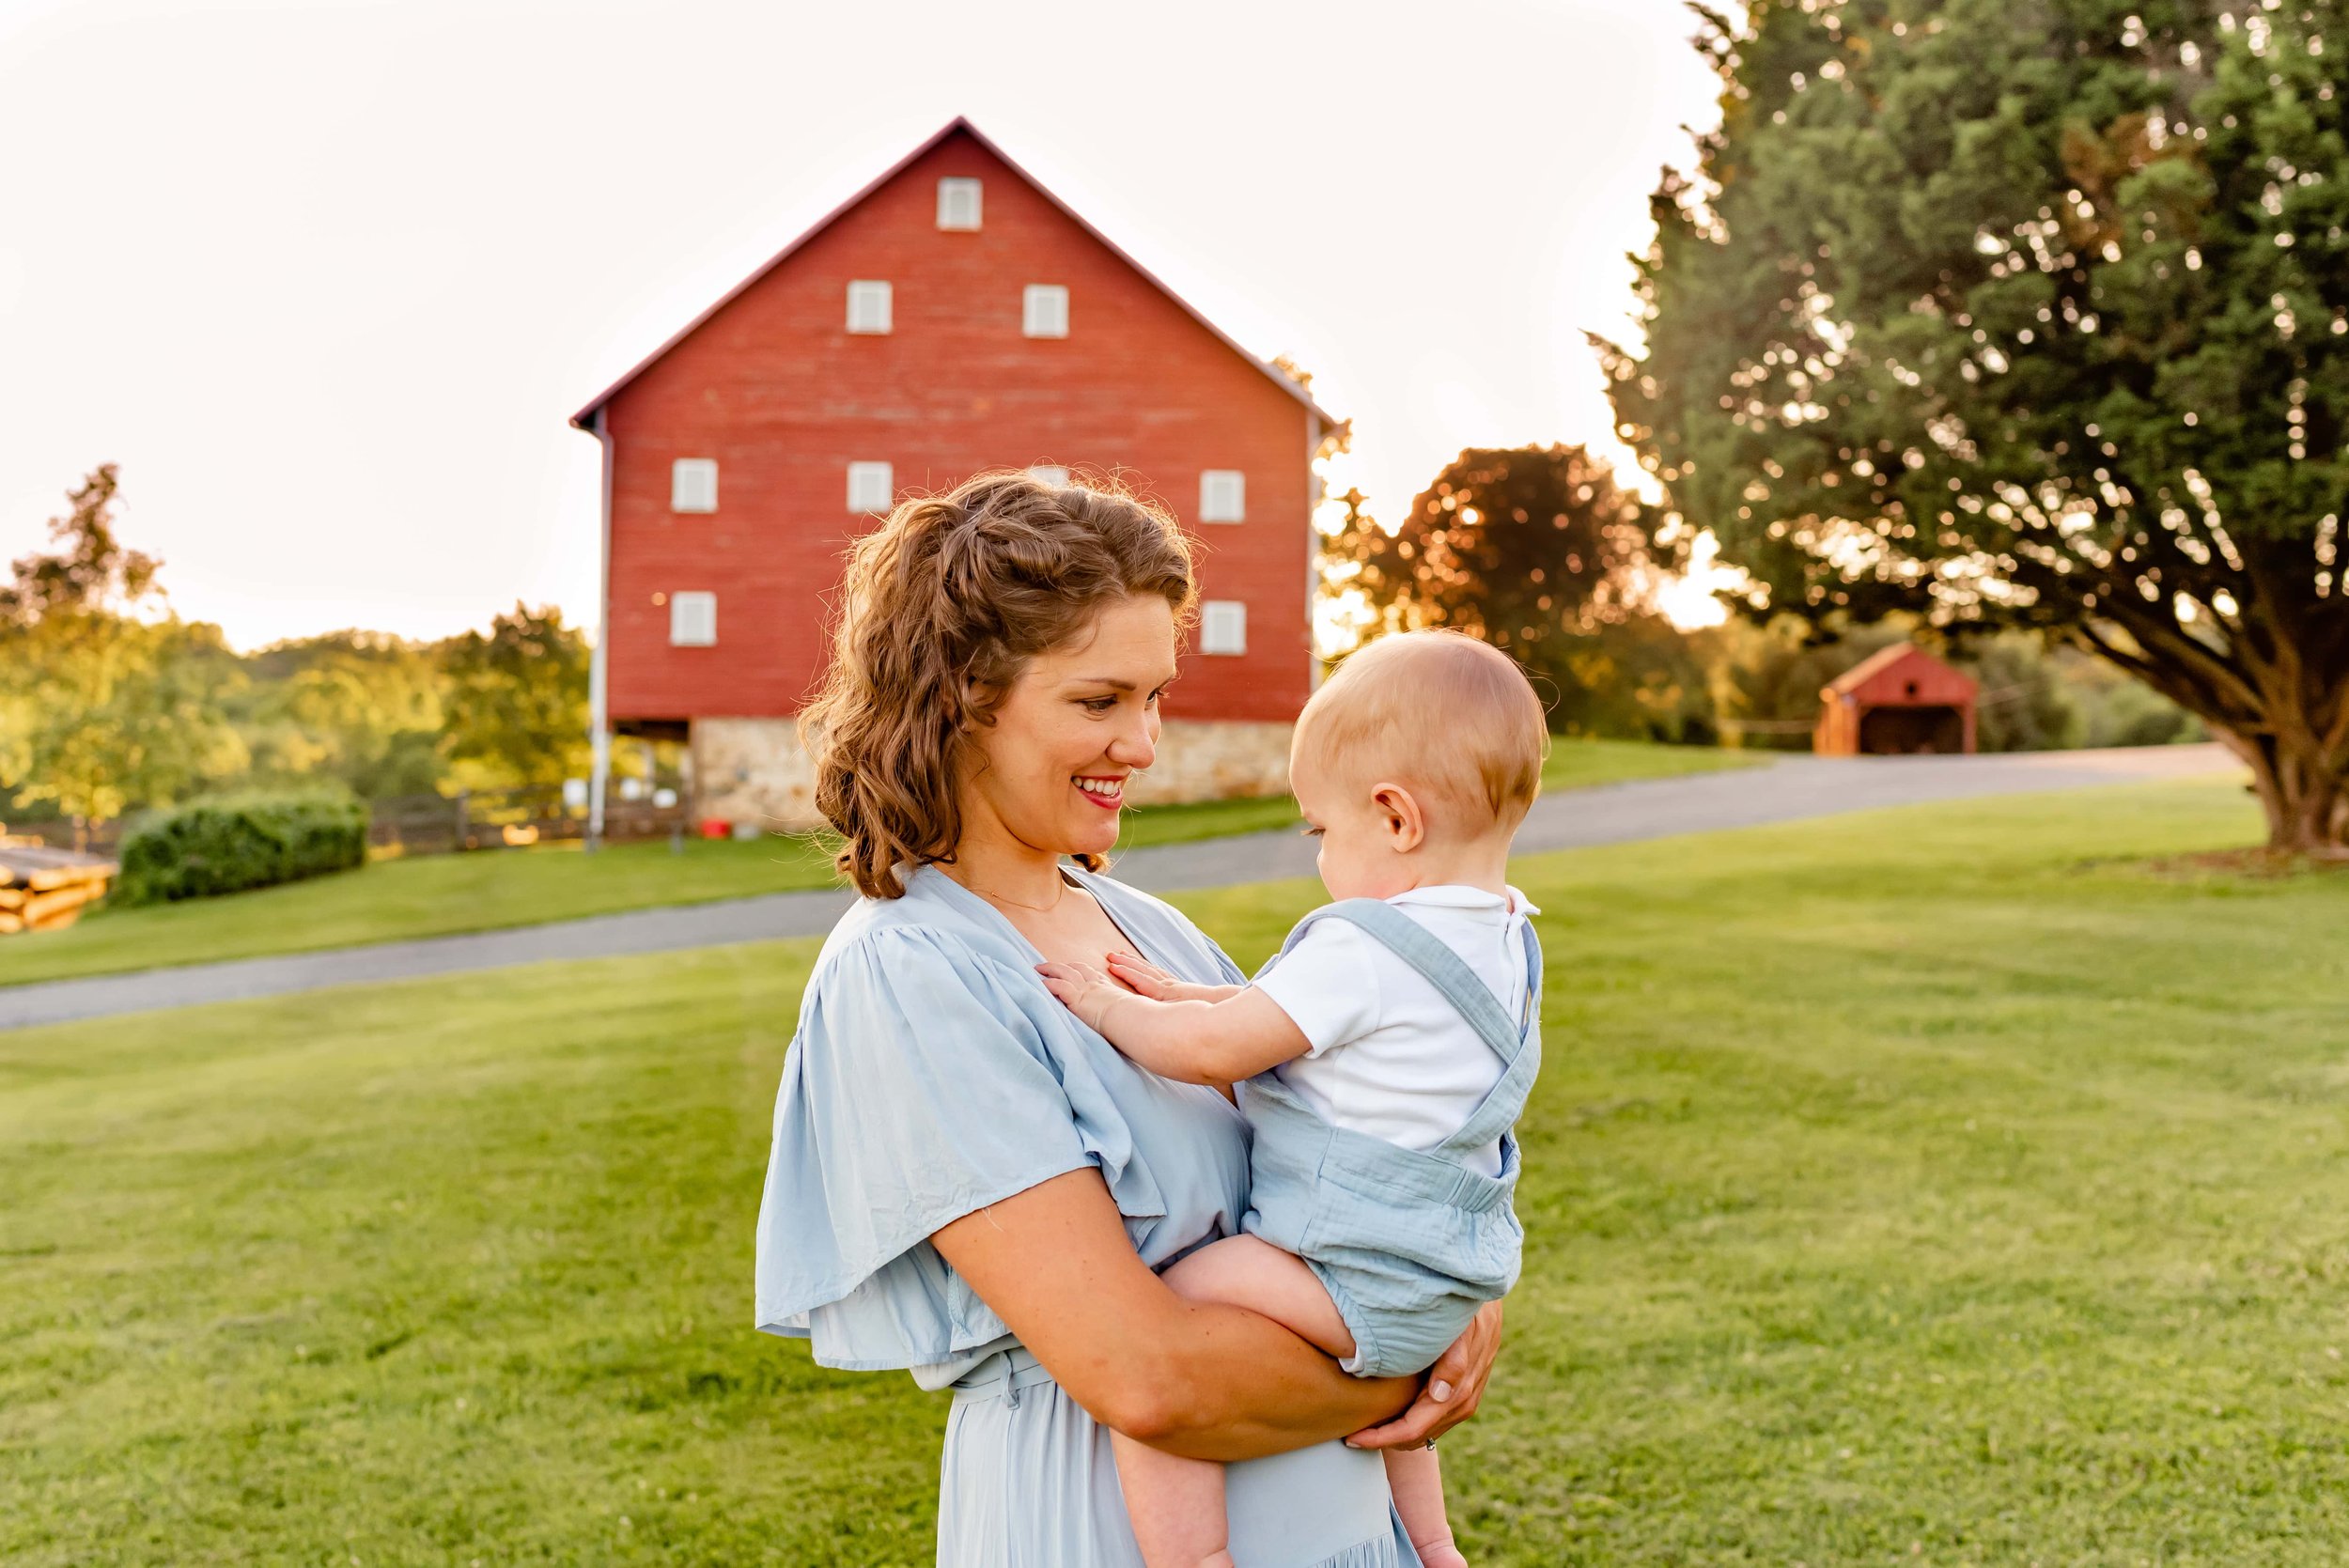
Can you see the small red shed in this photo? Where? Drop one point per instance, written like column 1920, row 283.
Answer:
column 952, row 317
column 1900, row 701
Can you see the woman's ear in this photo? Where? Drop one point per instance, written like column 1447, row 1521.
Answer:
column 1406, row 825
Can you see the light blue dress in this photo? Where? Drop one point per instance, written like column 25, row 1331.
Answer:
column 932, row 1075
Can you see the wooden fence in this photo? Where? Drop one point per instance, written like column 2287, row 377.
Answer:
column 432, row 824
column 508, row 818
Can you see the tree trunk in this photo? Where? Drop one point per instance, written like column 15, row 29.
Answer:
column 2307, row 804
column 2283, row 709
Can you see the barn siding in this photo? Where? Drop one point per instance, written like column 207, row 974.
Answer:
column 778, row 392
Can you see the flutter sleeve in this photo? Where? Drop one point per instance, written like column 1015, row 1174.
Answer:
column 916, row 1091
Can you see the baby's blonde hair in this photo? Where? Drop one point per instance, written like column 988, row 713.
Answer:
column 1438, row 710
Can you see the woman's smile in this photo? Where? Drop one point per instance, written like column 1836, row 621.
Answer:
column 1107, row 791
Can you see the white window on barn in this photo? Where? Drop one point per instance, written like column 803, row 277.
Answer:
column 959, row 204
column 1044, row 310
column 1046, row 473
column 872, row 486
column 693, row 620
column 868, row 307
column 1222, row 495
column 693, row 484
column 1222, row 625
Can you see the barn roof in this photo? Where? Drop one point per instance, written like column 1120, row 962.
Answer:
column 959, row 125
column 1883, row 659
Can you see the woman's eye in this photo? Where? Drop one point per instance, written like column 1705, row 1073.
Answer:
column 1311, row 832
column 1099, row 705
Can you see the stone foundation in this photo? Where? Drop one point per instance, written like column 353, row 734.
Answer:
column 756, row 770
column 1215, row 759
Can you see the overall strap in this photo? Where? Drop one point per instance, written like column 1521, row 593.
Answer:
column 1498, row 1112
column 1532, row 1011
column 1433, row 958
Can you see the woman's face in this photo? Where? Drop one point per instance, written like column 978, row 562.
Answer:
column 1051, row 771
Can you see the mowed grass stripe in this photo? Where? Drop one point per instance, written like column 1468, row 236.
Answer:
column 1941, row 1184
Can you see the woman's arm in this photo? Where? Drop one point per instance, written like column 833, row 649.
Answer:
column 1192, row 1041
column 1195, row 1378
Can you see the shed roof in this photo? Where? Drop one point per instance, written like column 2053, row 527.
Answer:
column 962, row 126
column 1885, row 659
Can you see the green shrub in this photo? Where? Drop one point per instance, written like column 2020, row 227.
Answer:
column 236, row 842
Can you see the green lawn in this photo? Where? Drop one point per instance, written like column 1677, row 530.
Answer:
column 1575, row 764
column 437, row 895
column 1945, row 1186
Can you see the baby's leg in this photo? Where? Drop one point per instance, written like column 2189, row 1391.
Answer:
column 1177, row 1504
column 1248, row 1271
column 1417, row 1481
column 1174, row 1504
column 1245, row 1271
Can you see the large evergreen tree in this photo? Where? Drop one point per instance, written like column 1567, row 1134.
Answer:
column 2034, row 314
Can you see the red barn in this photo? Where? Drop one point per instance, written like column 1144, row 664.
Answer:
column 1896, row 701
column 954, row 316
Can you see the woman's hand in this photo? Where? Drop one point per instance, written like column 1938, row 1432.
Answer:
column 1455, row 1385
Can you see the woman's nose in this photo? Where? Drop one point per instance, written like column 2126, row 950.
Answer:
column 1137, row 742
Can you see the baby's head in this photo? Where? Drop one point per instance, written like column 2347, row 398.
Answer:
column 1416, row 761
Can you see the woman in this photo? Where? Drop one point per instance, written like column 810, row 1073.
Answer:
column 968, row 1183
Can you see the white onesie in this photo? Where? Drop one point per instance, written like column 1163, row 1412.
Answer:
column 1388, row 1055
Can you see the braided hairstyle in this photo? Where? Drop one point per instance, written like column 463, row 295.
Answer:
column 942, row 606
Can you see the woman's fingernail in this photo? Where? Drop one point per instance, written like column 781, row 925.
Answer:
column 1439, row 1390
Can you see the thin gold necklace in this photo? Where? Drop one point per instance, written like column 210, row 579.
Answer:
column 1032, row 908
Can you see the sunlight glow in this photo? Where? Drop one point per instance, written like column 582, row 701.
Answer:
column 1688, row 600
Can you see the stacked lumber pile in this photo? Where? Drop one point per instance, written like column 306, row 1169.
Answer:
column 45, row 889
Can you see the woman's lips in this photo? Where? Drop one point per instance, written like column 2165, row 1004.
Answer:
column 1109, row 794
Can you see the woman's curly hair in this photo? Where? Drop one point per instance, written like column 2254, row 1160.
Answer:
column 941, row 608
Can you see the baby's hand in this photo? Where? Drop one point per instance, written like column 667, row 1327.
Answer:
column 1155, row 983
column 1084, row 989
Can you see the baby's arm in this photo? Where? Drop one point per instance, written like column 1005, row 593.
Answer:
column 1194, row 1040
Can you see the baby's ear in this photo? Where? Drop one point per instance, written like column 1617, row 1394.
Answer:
column 1405, row 824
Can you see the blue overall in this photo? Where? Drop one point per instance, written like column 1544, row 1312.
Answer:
column 1408, row 1243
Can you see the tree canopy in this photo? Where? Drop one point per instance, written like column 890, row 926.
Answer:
column 517, row 702
column 110, row 702
column 1538, row 552
column 2030, row 316
column 99, row 708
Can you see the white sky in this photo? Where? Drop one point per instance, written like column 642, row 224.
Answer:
column 327, row 278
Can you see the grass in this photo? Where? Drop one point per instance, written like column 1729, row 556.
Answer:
column 1579, row 764
column 438, row 895
column 1961, row 1185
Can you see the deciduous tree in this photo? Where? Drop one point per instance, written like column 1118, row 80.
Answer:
column 101, row 709
column 516, row 703
column 1538, row 552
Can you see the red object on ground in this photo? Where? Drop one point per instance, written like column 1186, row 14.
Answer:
column 1900, row 701
column 716, row 827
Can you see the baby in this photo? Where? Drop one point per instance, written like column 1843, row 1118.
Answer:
column 1382, row 1056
